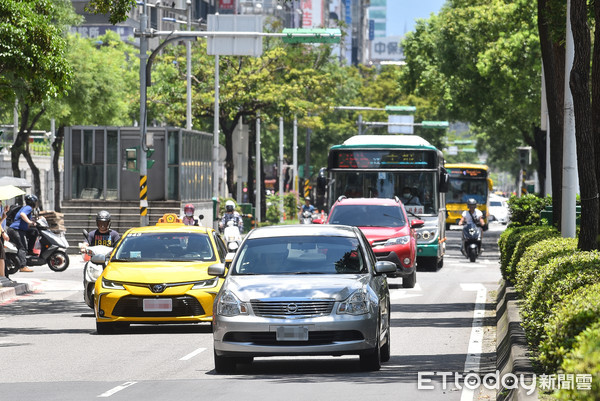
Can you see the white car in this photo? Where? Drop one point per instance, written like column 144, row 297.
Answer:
column 499, row 210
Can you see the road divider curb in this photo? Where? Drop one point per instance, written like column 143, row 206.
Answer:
column 512, row 352
column 11, row 289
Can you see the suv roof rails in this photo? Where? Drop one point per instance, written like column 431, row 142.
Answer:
column 341, row 197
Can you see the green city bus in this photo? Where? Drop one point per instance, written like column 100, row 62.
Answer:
column 383, row 166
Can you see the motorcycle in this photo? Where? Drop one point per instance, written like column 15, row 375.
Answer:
column 11, row 261
column 232, row 236
column 91, row 270
column 307, row 218
column 471, row 241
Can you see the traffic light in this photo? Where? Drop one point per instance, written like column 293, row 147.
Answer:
column 149, row 153
column 524, row 155
column 131, row 159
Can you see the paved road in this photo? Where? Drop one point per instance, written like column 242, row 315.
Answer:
column 49, row 349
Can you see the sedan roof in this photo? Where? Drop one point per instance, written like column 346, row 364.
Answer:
column 302, row 230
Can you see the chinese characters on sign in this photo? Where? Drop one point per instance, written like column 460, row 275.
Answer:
column 226, row 4
column 387, row 49
column 312, row 13
column 93, row 31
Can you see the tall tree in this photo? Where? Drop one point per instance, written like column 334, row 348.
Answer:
column 33, row 67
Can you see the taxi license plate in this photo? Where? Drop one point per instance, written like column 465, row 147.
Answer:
column 158, row 305
column 292, row 333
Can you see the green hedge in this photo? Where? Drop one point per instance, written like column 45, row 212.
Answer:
column 575, row 312
column 526, row 210
column 584, row 359
column 530, row 237
column 537, row 255
column 508, row 243
column 555, row 280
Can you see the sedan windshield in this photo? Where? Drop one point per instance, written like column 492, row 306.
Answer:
column 144, row 247
column 367, row 216
column 300, row 255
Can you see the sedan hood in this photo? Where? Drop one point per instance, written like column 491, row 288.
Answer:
column 337, row 287
column 157, row 272
column 384, row 233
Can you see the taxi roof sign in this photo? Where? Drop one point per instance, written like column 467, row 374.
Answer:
column 169, row 218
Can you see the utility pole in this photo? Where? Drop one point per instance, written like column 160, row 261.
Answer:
column 142, row 155
column 188, row 48
column 281, row 175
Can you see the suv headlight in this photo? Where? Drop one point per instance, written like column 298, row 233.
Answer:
column 111, row 285
column 355, row 304
column 229, row 305
column 405, row 239
column 206, row 284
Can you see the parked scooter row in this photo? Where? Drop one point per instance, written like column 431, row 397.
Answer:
column 50, row 249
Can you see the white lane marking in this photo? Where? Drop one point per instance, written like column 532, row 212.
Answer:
column 116, row 389
column 192, row 354
column 476, row 340
column 406, row 293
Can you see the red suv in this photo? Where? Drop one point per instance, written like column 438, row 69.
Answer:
column 385, row 224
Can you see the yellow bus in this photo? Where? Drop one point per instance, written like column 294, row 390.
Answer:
column 467, row 181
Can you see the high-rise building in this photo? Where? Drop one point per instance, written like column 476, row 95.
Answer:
column 378, row 14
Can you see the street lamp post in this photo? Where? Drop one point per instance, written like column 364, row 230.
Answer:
column 142, row 156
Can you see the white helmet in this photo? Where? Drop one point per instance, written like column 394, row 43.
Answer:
column 230, row 205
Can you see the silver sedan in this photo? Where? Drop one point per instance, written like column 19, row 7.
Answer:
column 302, row 290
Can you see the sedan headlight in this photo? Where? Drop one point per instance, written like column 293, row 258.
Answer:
column 206, row 284
column 405, row 239
column 355, row 304
column 229, row 305
column 111, row 285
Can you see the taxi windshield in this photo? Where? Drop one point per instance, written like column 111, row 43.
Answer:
column 145, row 247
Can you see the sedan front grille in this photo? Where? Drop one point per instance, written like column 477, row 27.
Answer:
column 379, row 243
column 292, row 308
column 132, row 306
column 314, row 338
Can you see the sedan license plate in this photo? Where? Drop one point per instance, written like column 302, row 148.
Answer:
column 292, row 333
column 158, row 305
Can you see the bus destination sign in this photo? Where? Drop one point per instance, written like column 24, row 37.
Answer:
column 467, row 172
column 382, row 159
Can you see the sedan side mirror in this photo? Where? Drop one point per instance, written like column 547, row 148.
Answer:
column 385, row 266
column 217, row 269
column 98, row 259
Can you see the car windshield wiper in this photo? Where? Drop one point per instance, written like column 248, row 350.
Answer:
column 294, row 273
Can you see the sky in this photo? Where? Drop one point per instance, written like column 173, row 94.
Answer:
column 401, row 14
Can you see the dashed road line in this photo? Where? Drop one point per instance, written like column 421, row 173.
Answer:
column 192, row 354
column 116, row 389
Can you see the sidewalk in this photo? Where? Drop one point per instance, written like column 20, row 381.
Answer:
column 10, row 289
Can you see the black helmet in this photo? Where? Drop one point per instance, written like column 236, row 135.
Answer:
column 472, row 202
column 103, row 215
column 31, row 200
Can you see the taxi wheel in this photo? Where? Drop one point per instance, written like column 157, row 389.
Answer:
column 225, row 364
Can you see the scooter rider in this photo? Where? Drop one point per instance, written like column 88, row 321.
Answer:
column 188, row 218
column 473, row 215
column 103, row 235
column 231, row 214
column 23, row 233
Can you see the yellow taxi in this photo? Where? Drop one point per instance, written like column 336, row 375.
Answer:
column 158, row 274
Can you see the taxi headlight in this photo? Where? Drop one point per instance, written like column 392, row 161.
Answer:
column 405, row 239
column 111, row 285
column 355, row 304
column 206, row 284
column 229, row 305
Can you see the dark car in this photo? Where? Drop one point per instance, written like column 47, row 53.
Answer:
column 385, row 224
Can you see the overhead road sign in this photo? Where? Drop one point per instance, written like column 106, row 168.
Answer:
column 314, row 35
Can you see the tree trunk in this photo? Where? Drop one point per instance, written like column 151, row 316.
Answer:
column 596, row 93
column 57, row 147
column 553, row 57
column 580, row 88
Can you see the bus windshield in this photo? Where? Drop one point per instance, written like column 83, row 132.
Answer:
column 420, row 187
column 461, row 190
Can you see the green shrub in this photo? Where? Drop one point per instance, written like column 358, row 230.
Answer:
column 575, row 312
column 555, row 280
column 537, row 255
column 526, row 210
column 537, row 234
column 290, row 205
column 508, row 243
column 273, row 213
column 584, row 359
